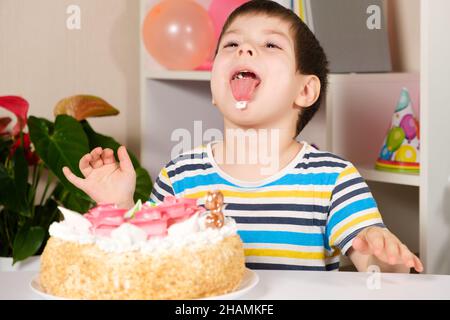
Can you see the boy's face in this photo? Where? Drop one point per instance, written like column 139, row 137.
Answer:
column 263, row 45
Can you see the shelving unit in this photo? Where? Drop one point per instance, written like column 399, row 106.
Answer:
column 178, row 75
column 371, row 174
column 352, row 123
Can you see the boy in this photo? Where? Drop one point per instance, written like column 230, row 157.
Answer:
column 269, row 76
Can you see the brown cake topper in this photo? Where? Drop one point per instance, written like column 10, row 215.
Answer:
column 214, row 203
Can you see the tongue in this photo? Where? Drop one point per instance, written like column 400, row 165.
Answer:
column 243, row 88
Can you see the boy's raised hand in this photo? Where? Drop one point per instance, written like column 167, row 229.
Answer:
column 386, row 247
column 105, row 179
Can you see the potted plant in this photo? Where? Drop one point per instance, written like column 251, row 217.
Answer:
column 33, row 152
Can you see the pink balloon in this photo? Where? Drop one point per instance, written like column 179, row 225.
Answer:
column 178, row 34
column 219, row 10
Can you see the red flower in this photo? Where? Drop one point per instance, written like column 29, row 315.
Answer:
column 19, row 107
column 30, row 155
column 4, row 121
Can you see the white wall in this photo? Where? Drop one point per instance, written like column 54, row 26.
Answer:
column 43, row 61
column 403, row 18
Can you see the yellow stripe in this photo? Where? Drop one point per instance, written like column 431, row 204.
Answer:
column 288, row 254
column 347, row 171
column 266, row 194
column 369, row 216
column 164, row 173
column 285, row 254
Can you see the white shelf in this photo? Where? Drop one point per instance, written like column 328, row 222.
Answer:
column 178, row 75
column 371, row 174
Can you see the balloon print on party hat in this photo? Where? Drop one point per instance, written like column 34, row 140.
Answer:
column 401, row 147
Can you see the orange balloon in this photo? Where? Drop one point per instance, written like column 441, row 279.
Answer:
column 178, row 34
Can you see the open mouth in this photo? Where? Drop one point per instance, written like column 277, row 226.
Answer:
column 243, row 84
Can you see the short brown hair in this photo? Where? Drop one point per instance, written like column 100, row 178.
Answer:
column 310, row 56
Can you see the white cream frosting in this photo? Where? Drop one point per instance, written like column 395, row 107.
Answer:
column 128, row 237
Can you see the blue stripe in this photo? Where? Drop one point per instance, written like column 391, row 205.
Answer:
column 289, row 179
column 274, row 266
column 200, row 180
column 348, row 210
column 283, row 237
column 280, row 220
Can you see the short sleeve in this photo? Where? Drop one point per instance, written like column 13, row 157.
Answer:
column 161, row 188
column 352, row 208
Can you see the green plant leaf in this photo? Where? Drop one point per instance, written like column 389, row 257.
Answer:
column 10, row 194
column 60, row 144
column 21, row 181
column 8, row 228
column 143, row 185
column 27, row 242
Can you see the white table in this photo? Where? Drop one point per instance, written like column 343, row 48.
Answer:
column 275, row 285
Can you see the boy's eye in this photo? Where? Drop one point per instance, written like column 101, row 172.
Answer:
column 230, row 44
column 272, row 45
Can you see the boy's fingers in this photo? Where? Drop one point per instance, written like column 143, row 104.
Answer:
column 96, row 161
column 407, row 256
column 85, row 166
column 76, row 181
column 376, row 241
column 392, row 249
column 417, row 264
column 361, row 245
column 124, row 159
column 108, row 156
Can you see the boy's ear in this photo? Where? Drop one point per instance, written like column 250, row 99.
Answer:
column 309, row 91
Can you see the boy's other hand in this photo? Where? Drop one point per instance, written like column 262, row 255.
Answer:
column 386, row 247
column 105, row 179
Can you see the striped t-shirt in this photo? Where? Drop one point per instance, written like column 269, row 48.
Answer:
column 301, row 218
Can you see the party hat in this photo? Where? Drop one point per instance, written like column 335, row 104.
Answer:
column 401, row 147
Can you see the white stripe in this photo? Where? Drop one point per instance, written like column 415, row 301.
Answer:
column 280, row 227
column 348, row 189
column 314, row 170
column 273, row 200
column 281, row 246
column 282, row 214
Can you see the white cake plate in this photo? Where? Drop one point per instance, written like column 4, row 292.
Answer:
column 249, row 281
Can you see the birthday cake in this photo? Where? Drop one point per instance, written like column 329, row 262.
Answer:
column 175, row 250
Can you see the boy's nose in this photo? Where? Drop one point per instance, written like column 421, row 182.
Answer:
column 245, row 51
